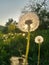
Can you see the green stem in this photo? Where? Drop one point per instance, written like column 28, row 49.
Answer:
column 39, row 55
column 27, row 47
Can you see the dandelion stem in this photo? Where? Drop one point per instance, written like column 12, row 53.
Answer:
column 39, row 55
column 27, row 47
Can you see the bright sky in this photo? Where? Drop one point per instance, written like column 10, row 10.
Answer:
column 11, row 9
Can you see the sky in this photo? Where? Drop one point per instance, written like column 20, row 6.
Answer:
column 11, row 9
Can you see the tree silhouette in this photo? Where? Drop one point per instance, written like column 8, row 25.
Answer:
column 10, row 20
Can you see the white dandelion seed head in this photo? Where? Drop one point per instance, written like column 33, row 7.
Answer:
column 39, row 39
column 4, row 35
column 23, row 34
column 30, row 16
column 9, row 33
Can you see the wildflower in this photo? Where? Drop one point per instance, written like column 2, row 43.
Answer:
column 28, row 18
column 39, row 39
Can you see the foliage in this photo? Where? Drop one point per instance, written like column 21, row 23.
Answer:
column 44, row 59
column 10, row 20
column 11, row 45
column 15, row 45
column 11, row 28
